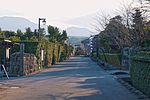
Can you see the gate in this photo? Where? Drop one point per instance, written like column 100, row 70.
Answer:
column 125, row 57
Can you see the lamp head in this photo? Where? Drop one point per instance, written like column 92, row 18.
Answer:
column 44, row 21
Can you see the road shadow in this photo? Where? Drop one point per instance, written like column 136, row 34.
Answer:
column 82, row 67
column 78, row 69
column 85, row 78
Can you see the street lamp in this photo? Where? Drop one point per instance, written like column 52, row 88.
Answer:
column 41, row 54
column 39, row 28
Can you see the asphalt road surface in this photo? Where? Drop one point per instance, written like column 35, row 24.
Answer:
column 76, row 79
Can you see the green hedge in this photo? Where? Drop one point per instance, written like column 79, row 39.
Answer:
column 1, row 54
column 53, row 52
column 114, row 59
column 94, row 55
column 140, row 74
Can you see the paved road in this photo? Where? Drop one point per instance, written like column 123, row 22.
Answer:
column 76, row 79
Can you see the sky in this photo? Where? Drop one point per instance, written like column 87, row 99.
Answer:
column 56, row 11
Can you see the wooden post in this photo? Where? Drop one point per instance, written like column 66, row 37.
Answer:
column 22, row 58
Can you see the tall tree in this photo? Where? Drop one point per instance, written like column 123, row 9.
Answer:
column 115, row 35
column 19, row 33
column 63, row 37
column 8, row 34
column 54, row 33
column 28, row 34
column 138, row 28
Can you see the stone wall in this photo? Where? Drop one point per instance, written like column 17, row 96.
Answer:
column 23, row 66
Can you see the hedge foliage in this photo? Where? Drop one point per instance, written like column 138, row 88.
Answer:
column 53, row 52
column 114, row 59
column 140, row 74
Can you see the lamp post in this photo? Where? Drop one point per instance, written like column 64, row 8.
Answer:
column 39, row 25
column 41, row 54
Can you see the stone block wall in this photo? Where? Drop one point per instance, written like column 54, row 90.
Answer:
column 23, row 66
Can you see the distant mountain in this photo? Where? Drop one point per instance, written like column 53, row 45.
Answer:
column 76, row 31
column 83, row 21
column 14, row 23
column 76, row 40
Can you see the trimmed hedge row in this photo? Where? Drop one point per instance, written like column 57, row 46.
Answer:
column 53, row 52
column 140, row 74
column 114, row 59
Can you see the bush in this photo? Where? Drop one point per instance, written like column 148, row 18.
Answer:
column 146, row 43
column 140, row 73
column 53, row 52
column 62, row 56
column 94, row 55
column 54, row 60
column 114, row 59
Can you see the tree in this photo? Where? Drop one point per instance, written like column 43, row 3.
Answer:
column 1, row 34
column 63, row 37
column 15, row 39
column 138, row 28
column 20, row 34
column 126, row 11
column 144, row 7
column 101, row 20
column 28, row 34
column 8, row 34
column 54, row 34
column 41, row 32
column 115, row 35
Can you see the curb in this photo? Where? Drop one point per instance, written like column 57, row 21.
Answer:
column 133, row 89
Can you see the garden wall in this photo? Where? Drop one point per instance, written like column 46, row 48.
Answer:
column 23, row 66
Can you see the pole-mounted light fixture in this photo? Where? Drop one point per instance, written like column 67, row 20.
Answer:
column 41, row 55
column 39, row 25
column 44, row 21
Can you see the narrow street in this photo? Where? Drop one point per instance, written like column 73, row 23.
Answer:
column 76, row 79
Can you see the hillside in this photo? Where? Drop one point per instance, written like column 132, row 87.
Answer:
column 77, row 31
column 14, row 23
column 76, row 40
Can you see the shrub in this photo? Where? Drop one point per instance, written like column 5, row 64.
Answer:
column 62, row 56
column 54, row 60
column 114, row 59
column 140, row 74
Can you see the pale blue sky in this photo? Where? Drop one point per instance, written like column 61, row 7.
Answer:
column 55, row 11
